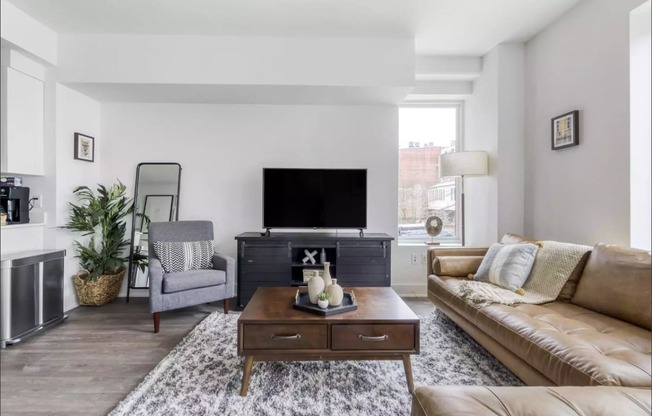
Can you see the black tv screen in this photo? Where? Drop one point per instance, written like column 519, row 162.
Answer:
column 314, row 198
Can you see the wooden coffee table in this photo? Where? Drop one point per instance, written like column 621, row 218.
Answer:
column 382, row 328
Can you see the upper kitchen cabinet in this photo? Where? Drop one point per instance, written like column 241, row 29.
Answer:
column 22, row 122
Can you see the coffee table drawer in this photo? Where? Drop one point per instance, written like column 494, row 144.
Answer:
column 373, row 337
column 283, row 337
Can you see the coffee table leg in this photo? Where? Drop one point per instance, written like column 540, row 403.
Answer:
column 408, row 372
column 249, row 362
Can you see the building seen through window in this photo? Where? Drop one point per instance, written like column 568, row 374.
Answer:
column 424, row 134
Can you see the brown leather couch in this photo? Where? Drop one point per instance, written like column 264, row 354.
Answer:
column 596, row 333
column 530, row 401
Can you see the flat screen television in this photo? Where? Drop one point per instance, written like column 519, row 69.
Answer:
column 314, row 198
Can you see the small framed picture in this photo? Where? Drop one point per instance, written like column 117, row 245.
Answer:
column 566, row 130
column 84, row 147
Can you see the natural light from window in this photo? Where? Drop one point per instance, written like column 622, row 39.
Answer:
column 424, row 134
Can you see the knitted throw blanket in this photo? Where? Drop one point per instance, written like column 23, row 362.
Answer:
column 552, row 268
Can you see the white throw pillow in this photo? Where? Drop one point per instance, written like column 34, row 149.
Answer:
column 507, row 265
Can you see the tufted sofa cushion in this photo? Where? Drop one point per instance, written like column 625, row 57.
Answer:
column 569, row 344
column 530, row 401
column 617, row 281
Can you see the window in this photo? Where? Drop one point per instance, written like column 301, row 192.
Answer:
column 425, row 132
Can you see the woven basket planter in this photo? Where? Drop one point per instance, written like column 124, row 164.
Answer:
column 98, row 291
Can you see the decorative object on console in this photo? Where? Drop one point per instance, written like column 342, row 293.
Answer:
column 310, row 273
column 565, row 130
column 322, row 300
column 471, row 163
column 335, row 294
column 434, row 225
column 315, row 287
column 84, row 147
column 310, row 256
column 322, row 256
column 102, row 217
column 327, row 274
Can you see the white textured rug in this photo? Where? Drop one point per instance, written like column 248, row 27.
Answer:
column 202, row 376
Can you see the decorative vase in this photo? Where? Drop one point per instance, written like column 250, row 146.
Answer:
column 335, row 294
column 315, row 287
column 323, row 303
column 327, row 275
column 322, row 256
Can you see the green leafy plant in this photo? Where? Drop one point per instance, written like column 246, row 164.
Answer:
column 101, row 216
column 323, row 296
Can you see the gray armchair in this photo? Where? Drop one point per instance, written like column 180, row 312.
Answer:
column 169, row 291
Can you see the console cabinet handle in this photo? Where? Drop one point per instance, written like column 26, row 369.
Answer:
column 286, row 337
column 373, row 339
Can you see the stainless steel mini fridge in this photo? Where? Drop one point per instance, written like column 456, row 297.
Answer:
column 31, row 293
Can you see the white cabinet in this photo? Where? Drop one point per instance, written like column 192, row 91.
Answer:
column 22, row 123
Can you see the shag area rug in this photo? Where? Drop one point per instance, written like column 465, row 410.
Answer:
column 202, row 376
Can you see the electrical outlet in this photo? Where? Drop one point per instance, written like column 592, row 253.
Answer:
column 39, row 201
column 424, row 258
column 414, row 258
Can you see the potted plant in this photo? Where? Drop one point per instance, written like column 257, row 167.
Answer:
column 101, row 216
column 322, row 300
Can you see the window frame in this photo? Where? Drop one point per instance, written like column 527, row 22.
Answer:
column 459, row 146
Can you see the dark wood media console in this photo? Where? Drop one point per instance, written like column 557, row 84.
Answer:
column 276, row 260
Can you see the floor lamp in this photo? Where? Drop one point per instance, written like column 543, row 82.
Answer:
column 463, row 164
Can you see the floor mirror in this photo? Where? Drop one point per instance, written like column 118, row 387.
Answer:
column 156, row 199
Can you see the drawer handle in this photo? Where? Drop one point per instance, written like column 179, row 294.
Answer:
column 286, row 337
column 373, row 339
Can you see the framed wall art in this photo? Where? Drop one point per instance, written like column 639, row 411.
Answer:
column 84, row 147
column 566, row 130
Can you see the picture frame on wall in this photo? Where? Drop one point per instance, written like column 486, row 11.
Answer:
column 84, row 147
column 566, row 130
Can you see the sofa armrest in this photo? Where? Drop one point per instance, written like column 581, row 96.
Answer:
column 226, row 264
column 155, row 270
column 456, row 266
column 434, row 252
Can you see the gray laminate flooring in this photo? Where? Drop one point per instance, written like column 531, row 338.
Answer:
column 86, row 365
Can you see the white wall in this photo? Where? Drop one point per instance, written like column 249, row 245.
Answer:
column 494, row 122
column 75, row 113
column 580, row 62
column 640, row 150
column 223, row 148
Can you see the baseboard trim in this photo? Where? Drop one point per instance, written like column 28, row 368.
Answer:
column 420, row 290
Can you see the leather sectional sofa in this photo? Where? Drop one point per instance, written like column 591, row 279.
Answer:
column 596, row 333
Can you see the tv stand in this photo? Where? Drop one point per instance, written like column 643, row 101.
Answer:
column 268, row 232
column 361, row 233
column 356, row 259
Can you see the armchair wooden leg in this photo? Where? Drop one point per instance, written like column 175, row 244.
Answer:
column 226, row 306
column 157, row 321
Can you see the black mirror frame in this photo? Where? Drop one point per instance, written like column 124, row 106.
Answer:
column 130, row 283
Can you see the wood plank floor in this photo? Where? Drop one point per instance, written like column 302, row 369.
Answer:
column 86, row 365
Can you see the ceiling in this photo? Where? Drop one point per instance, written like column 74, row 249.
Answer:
column 442, row 27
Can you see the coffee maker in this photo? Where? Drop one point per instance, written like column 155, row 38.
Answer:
column 15, row 202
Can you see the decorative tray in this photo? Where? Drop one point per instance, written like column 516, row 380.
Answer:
column 302, row 303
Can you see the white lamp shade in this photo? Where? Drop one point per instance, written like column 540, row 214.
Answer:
column 463, row 164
